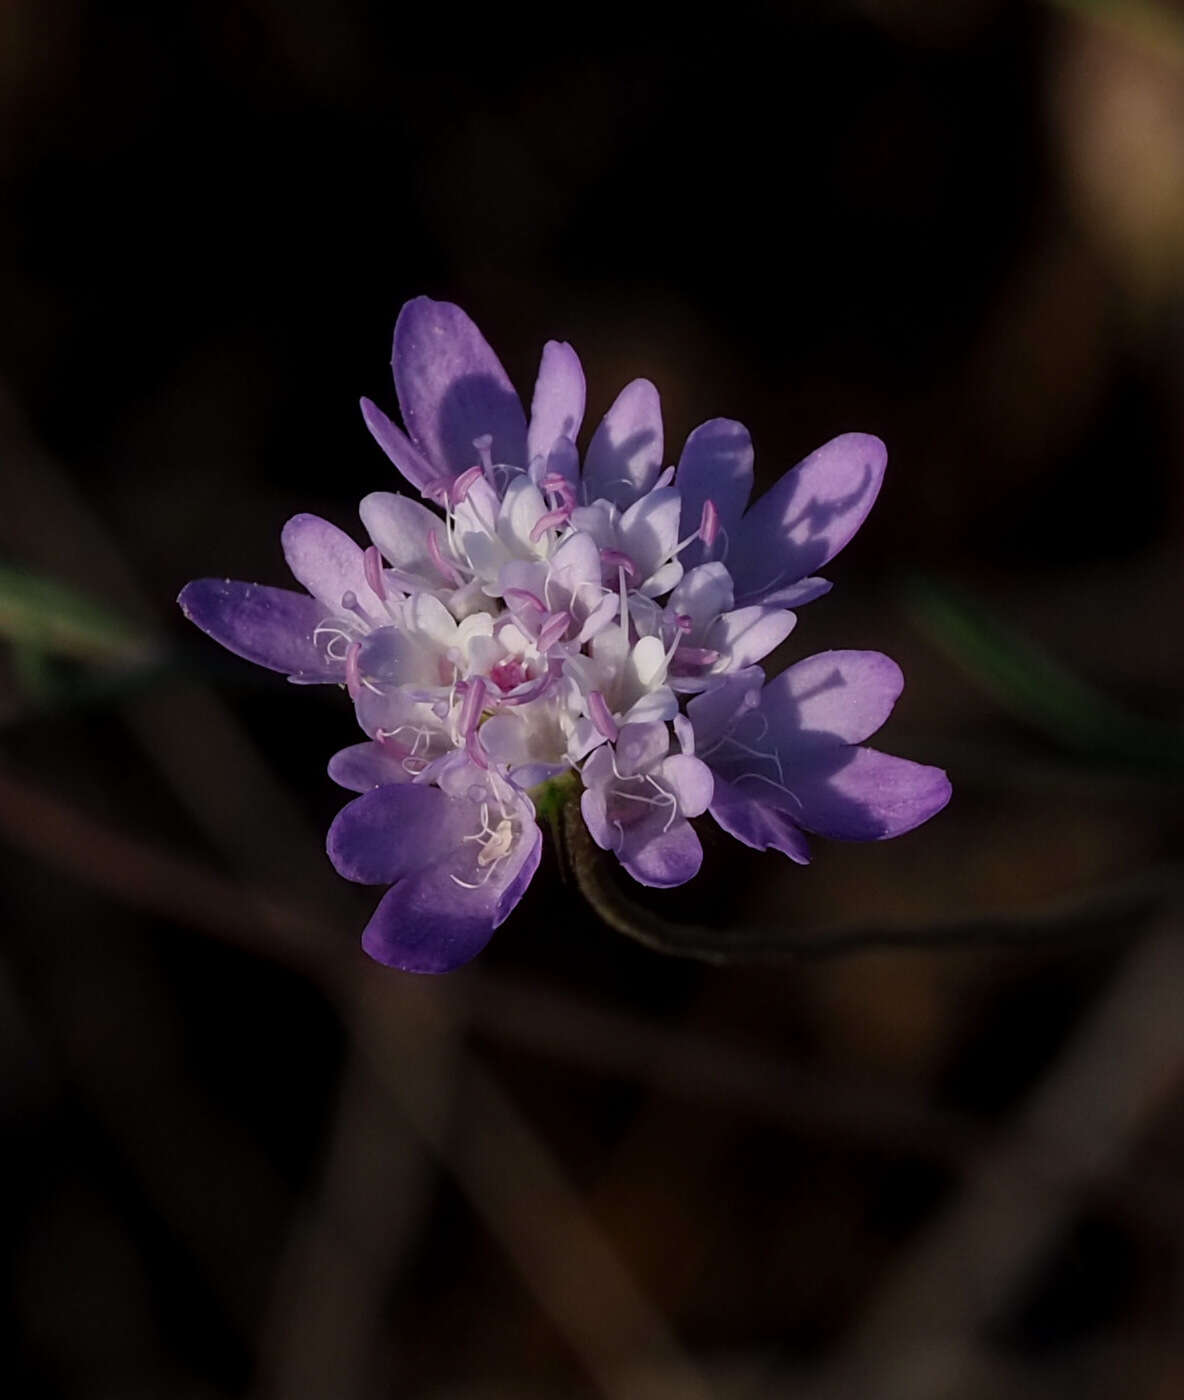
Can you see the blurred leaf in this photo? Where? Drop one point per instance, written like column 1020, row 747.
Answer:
column 1035, row 687
column 51, row 618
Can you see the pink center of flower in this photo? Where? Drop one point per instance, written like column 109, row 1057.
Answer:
column 508, row 674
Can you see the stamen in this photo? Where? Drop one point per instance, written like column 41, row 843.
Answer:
column 709, row 524
column 551, row 630
column 473, row 704
column 463, row 484
column 601, row 716
column 698, row 656
column 484, row 446
column 437, row 557
column 372, row 568
column 684, row 621
column 622, row 561
column 349, row 601
column 353, row 679
column 476, row 749
column 524, row 597
column 556, row 484
column 551, row 521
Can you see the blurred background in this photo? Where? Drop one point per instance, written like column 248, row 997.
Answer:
column 938, row 1154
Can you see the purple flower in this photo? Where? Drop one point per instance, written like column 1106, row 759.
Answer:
column 773, row 547
column 637, row 798
column 788, row 757
column 531, row 622
column 457, row 853
column 453, row 394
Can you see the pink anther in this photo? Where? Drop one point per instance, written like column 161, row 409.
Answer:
column 616, row 560
column 553, row 520
column 353, row 676
column 709, row 523
column 601, row 716
column 372, row 568
column 552, row 630
column 436, row 554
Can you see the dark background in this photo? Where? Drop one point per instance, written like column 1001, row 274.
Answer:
column 946, row 1163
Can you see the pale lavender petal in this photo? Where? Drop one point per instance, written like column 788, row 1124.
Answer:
column 328, row 563
column 648, row 530
column 834, row 697
column 750, row 634
column 715, row 711
column 690, row 781
column 557, row 409
column 399, row 448
column 625, row 454
column 661, row 857
column 807, row 517
column 704, row 593
column 860, row 794
column 272, row 627
column 797, row 595
column 756, row 824
column 716, row 466
column 400, row 527
column 452, row 388
column 640, row 746
column 392, row 831
column 361, row 767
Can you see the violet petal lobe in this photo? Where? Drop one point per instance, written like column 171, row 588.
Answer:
column 860, row 794
column 807, row 517
column 756, row 824
column 833, row 697
column 426, row 923
column 327, row 562
column 557, row 408
column 272, row 627
column 391, row 831
column 625, row 454
column 402, row 452
column 660, row 856
column 716, row 466
column 452, row 388
column 361, row 767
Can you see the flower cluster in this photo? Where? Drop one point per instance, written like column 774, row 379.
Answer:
column 535, row 616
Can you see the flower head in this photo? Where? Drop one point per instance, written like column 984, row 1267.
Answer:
column 534, row 614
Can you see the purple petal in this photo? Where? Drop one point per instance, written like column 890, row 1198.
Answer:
column 557, row 409
column 715, row 711
column 625, row 454
column 807, row 517
column 452, row 388
column 271, row 626
column 400, row 527
column 749, row 634
column 640, row 746
column 328, row 563
column 704, row 593
column 649, row 530
column 430, row 923
column 690, row 780
column 361, row 767
column 756, row 824
column 834, row 697
column 392, row 831
column 796, row 595
column 716, row 466
column 860, row 794
column 658, row 857
column 398, row 447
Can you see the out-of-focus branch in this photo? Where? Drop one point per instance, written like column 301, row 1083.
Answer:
column 1114, row 910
